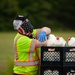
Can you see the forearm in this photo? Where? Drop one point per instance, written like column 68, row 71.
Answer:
column 40, row 44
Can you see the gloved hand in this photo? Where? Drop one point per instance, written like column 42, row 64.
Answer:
column 42, row 36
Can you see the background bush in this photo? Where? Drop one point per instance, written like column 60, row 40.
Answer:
column 57, row 15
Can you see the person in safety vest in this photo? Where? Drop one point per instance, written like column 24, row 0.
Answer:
column 26, row 46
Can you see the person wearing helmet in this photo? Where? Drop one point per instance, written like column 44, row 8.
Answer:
column 26, row 46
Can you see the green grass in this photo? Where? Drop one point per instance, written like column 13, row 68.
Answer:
column 6, row 49
column 6, row 53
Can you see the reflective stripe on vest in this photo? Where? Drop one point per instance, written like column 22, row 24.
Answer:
column 15, row 47
column 32, row 49
column 38, row 30
column 26, row 63
column 32, row 45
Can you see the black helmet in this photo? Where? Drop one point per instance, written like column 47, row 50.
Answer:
column 22, row 21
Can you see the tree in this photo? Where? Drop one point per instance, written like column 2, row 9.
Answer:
column 8, row 9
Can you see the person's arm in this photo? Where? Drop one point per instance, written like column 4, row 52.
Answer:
column 42, row 36
column 41, row 41
column 40, row 44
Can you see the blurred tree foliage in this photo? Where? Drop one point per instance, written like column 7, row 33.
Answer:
column 54, row 14
column 8, row 9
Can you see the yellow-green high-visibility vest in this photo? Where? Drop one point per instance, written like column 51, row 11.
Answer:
column 26, row 54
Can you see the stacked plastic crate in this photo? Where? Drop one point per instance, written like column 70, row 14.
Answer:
column 51, row 61
column 69, row 61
